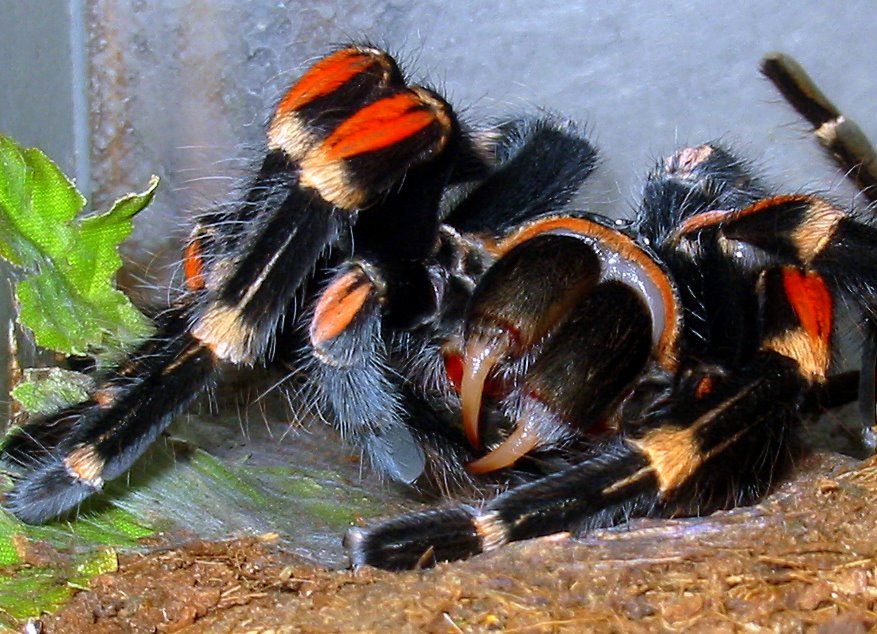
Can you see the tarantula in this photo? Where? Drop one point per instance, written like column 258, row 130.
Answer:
column 456, row 320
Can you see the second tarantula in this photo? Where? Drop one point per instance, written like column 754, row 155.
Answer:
column 454, row 318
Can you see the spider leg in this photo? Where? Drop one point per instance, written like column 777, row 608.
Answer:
column 350, row 374
column 542, row 162
column 340, row 142
column 837, row 133
column 355, row 385
column 40, row 436
column 301, row 211
column 248, row 260
column 715, row 445
column 852, row 149
column 69, row 455
column 811, row 231
column 367, row 323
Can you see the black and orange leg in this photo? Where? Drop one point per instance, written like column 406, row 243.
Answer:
column 355, row 384
column 811, row 231
column 349, row 375
column 341, row 141
column 68, row 456
column 716, row 443
column 837, row 133
column 297, row 212
column 852, row 149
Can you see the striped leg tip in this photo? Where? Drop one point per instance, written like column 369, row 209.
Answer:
column 45, row 493
column 417, row 540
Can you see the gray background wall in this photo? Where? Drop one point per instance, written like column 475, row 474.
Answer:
column 117, row 91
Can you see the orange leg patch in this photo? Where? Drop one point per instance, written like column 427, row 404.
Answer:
column 339, row 305
column 193, row 266
column 378, row 125
column 330, row 73
column 811, row 301
column 808, row 341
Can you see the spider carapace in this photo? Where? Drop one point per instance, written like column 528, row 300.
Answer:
column 468, row 330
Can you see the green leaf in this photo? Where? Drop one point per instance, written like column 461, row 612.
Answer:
column 46, row 390
column 67, row 297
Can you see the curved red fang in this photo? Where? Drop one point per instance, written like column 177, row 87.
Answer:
column 494, row 387
column 326, row 76
column 524, row 439
column 377, row 126
column 810, row 298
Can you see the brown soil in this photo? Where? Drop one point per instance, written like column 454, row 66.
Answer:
column 804, row 560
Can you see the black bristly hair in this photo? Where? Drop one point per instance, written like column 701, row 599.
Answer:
column 353, row 183
column 755, row 345
column 461, row 325
column 349, row 139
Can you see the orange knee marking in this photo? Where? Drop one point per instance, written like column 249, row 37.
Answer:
column 326, row 76
column 811, row 300
column 339, row 305
column 378, row 125
column 704, row 387
column 193, row 266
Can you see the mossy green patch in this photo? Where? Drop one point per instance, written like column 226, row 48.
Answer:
column 28, row 591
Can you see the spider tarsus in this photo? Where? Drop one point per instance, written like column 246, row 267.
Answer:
column 46, row 492
column 400, row 543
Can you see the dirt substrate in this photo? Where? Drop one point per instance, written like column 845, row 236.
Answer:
column 804, row 560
